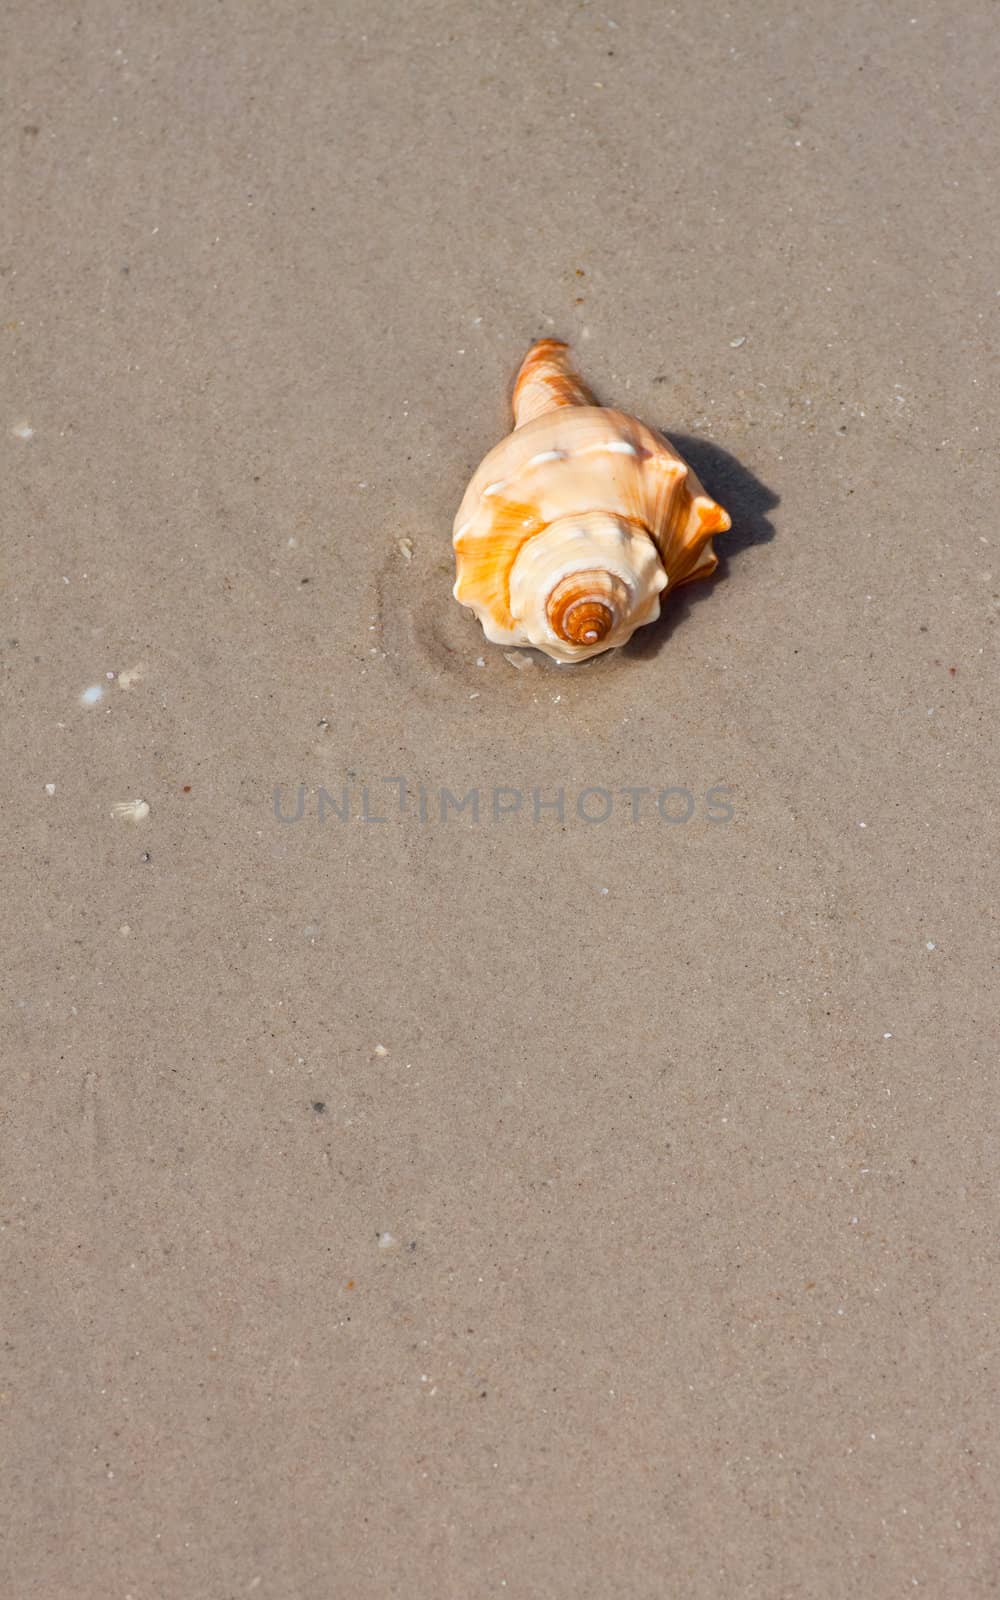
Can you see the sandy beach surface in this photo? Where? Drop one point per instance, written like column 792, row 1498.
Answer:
column 475, row 1130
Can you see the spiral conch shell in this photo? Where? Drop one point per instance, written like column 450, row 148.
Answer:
column 574, row 524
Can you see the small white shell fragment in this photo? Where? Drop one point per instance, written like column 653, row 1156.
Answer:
column 519, row 659
column 386, row 1241
column 23, row 430
column 50, row 788
column 91, row 696
column 405, row 548
column 130, row 810
column 380, row 1050
column 734, row 344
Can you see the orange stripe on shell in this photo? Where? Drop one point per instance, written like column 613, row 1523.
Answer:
column 484, row 565
column 547, row 381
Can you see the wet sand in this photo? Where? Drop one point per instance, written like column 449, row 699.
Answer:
column 517, row 1199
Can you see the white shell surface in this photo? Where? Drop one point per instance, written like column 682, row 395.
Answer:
column 598, row 455
column 593, row 541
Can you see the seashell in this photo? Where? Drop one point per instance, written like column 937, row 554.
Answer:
column 574, row 525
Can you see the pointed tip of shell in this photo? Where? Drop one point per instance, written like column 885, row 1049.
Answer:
column 547, row 381
column 711, row 516
column 587, row 606
column 587, row 622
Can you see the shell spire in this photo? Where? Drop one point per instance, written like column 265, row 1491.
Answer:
column 547, row 380
column 574, row 524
